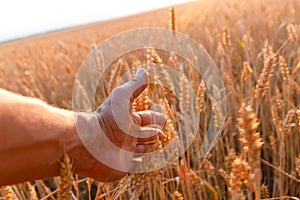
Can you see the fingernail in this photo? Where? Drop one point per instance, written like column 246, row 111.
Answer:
column 139, row 72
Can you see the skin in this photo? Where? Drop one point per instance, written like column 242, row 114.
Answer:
column 34, row 136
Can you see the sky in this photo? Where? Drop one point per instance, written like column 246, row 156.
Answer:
column 20, row 18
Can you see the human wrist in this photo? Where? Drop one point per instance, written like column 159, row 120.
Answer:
column 82, row 160
column 96, row 142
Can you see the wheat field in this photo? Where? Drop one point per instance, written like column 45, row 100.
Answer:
column 255, row 45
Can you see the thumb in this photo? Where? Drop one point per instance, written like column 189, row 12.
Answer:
column 121, row 102
column 137, row 85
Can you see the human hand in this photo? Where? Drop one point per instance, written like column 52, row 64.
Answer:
column 121, row 133
column 126, row 129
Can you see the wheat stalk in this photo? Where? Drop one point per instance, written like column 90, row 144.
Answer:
column 298, row 165
column 298, row 116
column 115, row 75
column 198, row 183
column 89, row 182
column 297, row 67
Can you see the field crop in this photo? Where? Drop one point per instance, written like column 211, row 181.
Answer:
column 255, row 45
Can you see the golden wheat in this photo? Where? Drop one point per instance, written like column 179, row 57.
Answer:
column 284, row 69
column 250, row 139
column 226, row 38
column 264, row 191
column 263, row 81
column 172, row 19
column 66, row 178
column 239, row 175
column 177, row 195
column 292, row 32
column 252, row 143
column 247, row 71
column 286, row 124
column 184, row 97
column 115, row 75
column 8, row 193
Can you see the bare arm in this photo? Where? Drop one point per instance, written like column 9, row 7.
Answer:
column 34, row 136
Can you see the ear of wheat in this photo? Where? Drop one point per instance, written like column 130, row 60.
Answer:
column 252, row 144
column 247, row 71
column 239, row 175
column 286, row 124
column 292, row 32
column 8, row 193
column 184, row 93
column 264, row 191
column 177, row 195
column 263, row 81
column 66, row 178
column 172, row 19
column 226, row 38
column 200, row 95
column 284, row 69
column 250, row 139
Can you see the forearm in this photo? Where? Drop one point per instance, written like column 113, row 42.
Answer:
column 32, row 137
